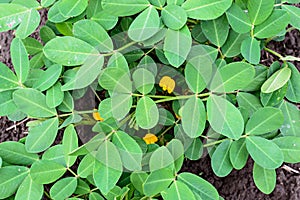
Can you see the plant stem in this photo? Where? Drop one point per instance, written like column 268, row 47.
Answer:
column 273, row 52
column 120, row 49
column 71, row 171
column 216, row 142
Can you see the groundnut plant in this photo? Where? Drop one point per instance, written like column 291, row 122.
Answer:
column 117, row 94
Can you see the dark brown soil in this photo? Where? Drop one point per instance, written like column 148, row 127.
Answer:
column 238, row 184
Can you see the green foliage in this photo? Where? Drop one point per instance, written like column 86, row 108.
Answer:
column 156, row 82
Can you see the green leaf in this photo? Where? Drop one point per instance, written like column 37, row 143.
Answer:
column 174, row 16
column 198, row 34
column 166, row 118
column 11, row 16
column 233, row 76
column 54, row 95
column 293, row 92
column 10, row 179
column 48, row 77
column 177, row 45
column 19, row 58
column 143, row 80
column 123, row 7
column 264, row 120
column 6, row 103
column 178, row 190
column 176, row 148
column 232, row 46
column 29, row 190
column 70, row 143
column 119, row 61
column 46, row 34
column 29, row 23
column 158, row 181
column 277, row 80
column 15, row 153
column 145, row 25
column 33, row 103
column 274, row 24
column 86, row 165
column 290, row 148
column 138, row 179
column 41, row 137
column 175, row 2
column 86, row 74
column 120, row 105
column 194, row 150
column 115, row 80
column 8, row 79
column 220, row 161
column 28, row 4
column 294, row 13
column 54, row 153
column 200, row 187
column 93, row 33
column 206, row 9
column 68, row 103
column 291, row 123
column 37, row 61
column 260, row 10
column 238, row 154
column 47, row 3
column 54, row 15
column 130, row 152
column 63, row 188
column 95, row 196
column 161, row 158
column 105, row 19
column 158, row 3
column 250, row 50
column 264, row 179
column 147, row 114
column 249, row 102
column 273, row 98
column 238, row 19
column 32, row 46
column 264, row 152
column 193, row 117
column 216, row 31
column 70, row 9
column 224, row 117
column 45, row 171
column 260, row 77
column 82, row 187
column 69, row 51
column 108, row 167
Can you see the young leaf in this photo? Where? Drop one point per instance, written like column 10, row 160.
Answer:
column 220, row 161
column 161, row 158
column 233, row 76
column 15, row 153
column 69, row 51
column 158, row 181
column 238, row 19
column 259, row 10
column 86, row 165
column 200, row 187
column 10, row 179
column 264, row 179
column 194, row 149
column 70, row 143
column 294, row 13
column 293, row 92
column 130, row 152
column 108, row 167
column 63, row 188
column 274, row 24
column 19, row 58
column 48, row 78
column 45, row 171
column 250, row 50
column 29, row 23
column 264, row 152
column 232, row 46
column 206, row 9
column 145, row 25
column 178, row 190
column 224, row 117
column 93, row 33
column 138, row 179
column 291, row 123
column 177, row 45
column 70, row 9
column 33, row 103
column 277, row 80
column 193, row 117
column 68, row 103
column 264, row 120
column 42, row 136
column 29, row 190
column 238, row 154
column 147, row 114
column 8, row 79
column 143, row 80
column 174, row 16
column 123, row 7
column 54, row 95
column 216, row 31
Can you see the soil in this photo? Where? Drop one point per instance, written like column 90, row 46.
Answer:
column 238, row 184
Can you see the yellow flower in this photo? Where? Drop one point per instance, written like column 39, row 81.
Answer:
column 167, row 83
column 96, row 116
column 150, row 138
